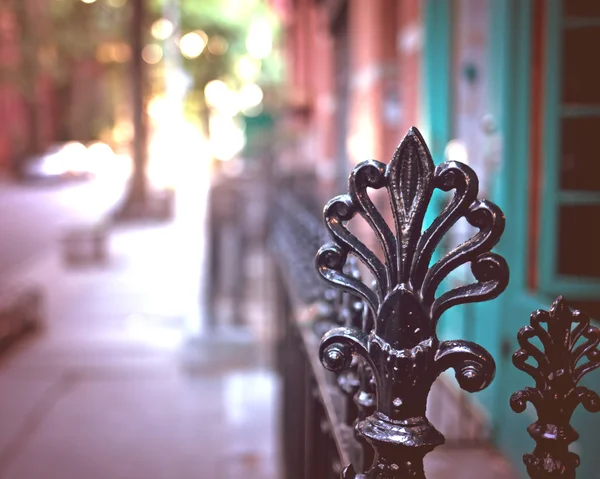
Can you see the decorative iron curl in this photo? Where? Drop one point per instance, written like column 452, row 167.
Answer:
column 561, row 364
column 473, row 365
column 339, row 345
column 401, row 348
column 410, row 180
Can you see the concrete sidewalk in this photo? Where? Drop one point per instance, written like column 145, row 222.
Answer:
column 123, row 381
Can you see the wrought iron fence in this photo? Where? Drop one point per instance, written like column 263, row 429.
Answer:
column 365, row 415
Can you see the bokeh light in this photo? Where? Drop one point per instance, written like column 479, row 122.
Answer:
column 217, row 45
column 215, row 92
column 259, row 42
column 121, row 52
column 192, row 44
column 152, row 53
column 250, row 95
column 117, row 52
column 158, row 107
column 162, row 29
column 456, row 151
column 248, row 68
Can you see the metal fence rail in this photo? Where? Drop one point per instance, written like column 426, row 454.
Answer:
column 365, row 417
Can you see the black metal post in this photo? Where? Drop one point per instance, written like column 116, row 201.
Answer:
column 560, row 366
column 402, row 349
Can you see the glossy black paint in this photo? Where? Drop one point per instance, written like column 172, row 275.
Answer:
column 397, row 341
column 570, row 350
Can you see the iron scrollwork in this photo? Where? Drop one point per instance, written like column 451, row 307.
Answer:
column 402, row 349
column 570, row 350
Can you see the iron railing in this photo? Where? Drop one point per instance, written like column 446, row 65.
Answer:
column 366, row 416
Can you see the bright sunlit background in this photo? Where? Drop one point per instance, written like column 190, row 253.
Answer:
column 118, row 118
column 210, row 65
column 114, row 92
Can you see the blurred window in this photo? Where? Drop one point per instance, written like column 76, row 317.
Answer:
column 579, row 161
column 577, row 236
column 569, row 238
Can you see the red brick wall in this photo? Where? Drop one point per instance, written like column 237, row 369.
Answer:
column 10, row 108
column 308, row 53
column 384, row 38
column 368, row 69
column 14, row 132
column 322, row 128
column 385, row 57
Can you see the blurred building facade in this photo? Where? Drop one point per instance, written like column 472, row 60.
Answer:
column 503, row 86
column 15, row 106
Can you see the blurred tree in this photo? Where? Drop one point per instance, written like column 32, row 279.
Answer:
column 74, row 43
column 229, row 22
column 56, row 39
column 136, row 199
column 83, row 35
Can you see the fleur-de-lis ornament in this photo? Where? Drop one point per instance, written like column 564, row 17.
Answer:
column 402, row 349
column 570, row 350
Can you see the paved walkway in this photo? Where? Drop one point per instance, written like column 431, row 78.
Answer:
column 124, row 382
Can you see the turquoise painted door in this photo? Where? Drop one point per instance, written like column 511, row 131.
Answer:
column 522, row 34
column 458, row 117
column 474, row 140
column 509, row 93
column 489, row 107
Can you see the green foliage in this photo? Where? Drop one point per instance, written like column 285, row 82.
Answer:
column 67, row 31
column 230, row 19
column 78, row 29
column 61, row 35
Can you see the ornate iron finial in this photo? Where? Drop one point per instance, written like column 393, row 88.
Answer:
column 402, row 349
column 556, row 395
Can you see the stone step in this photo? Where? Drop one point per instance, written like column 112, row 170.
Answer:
column 21, row 312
